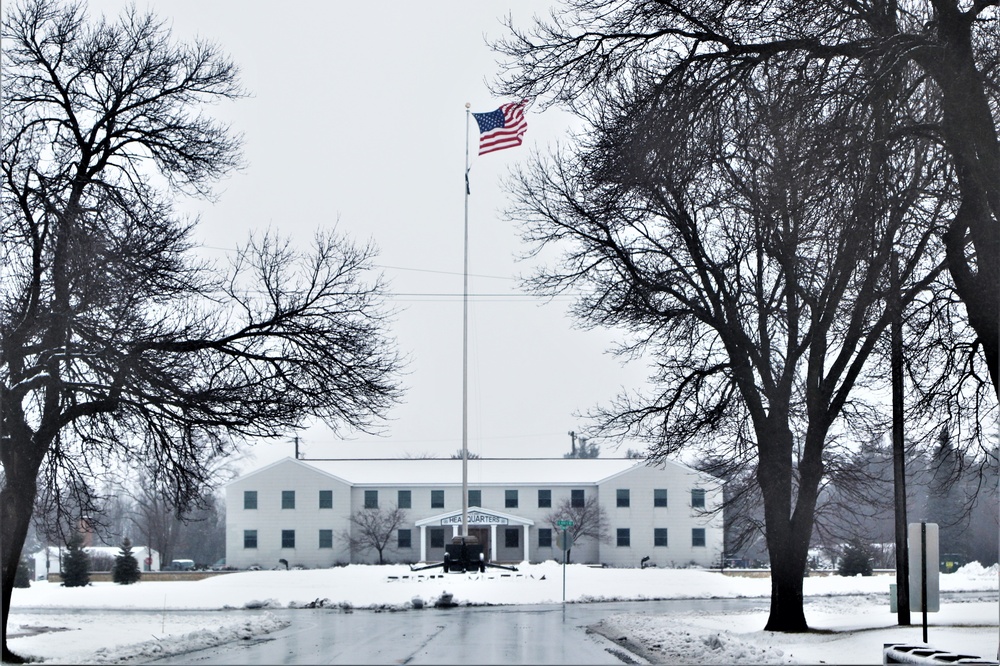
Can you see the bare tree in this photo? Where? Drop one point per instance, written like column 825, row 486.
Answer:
column 746, row 248
column 374, row 529
column 116, row 345
column 951, row 46
column 590, row 521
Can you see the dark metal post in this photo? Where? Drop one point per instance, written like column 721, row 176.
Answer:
column 898, row 451
column 923, row 574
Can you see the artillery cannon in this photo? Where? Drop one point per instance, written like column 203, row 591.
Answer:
column 464, row 554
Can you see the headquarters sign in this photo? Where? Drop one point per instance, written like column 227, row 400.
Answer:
column 476, row 518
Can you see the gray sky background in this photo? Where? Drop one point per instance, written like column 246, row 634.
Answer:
column 357, row 119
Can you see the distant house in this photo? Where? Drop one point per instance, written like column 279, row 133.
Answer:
column 297, row 511
column 49, row 560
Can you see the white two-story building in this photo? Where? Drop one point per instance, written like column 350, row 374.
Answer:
column 299, row 511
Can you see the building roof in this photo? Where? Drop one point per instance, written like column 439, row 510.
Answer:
column 481, row 471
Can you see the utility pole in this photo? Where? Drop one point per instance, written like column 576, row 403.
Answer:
column 898, row 453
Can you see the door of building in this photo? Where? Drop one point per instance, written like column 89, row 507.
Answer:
column 483, row 534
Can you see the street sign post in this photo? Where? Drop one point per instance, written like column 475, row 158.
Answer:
column 566, row 542
column 923, row 550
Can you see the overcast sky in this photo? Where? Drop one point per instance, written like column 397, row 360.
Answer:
column 357, row 118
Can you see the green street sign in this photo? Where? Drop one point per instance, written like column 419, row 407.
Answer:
column 564, row 523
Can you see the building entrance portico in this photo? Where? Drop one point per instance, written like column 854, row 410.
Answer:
column 483, row 523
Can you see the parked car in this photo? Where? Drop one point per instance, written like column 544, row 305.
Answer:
column 181, row 565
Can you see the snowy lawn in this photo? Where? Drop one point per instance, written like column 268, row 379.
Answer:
column 849, row 629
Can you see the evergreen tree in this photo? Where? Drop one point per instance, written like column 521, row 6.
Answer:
column 126, row 569
column 945, row 500
column 857, row 559
column 22, row 578
column 76, row 564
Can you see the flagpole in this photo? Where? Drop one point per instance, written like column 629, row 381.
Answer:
column 465, row 342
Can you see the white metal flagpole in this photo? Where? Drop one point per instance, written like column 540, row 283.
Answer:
column 465, row 342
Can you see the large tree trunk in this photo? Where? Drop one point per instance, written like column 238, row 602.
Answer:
column 971, row 137
column 788, row 526
column 17, row 501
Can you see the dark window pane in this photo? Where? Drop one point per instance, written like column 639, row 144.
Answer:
column 402, row 500
column 511, row 537
column 437, row 499
column 476, row 498
column 660, row 497
column 249, row 538
column 698, row 498
column 249, row 499
column 698, row 536
column 577, row 498
column 326, row 499
column 371, row 499
column 660, row 536
column 544, row 537
column 437, row 537
column 403, row 539
column 288, row 538
column 623, row 497
column 326, row 538
column 624, row 537
column 287, row 499
column 544, row 499
column 510, row 499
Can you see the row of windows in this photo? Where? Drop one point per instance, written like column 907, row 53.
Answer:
column 623, row 497
column 512, row 538
column 404, row 498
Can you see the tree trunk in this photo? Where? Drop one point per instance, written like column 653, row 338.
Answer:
column 17, row 500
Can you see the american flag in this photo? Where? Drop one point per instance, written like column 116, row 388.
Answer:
column 502, row 128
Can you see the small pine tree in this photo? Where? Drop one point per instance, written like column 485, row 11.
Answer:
column 76, row 564
column 857, row 559
column 126, row 569
column 23, row 577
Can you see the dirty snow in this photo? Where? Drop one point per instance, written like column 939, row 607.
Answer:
column 850, row 616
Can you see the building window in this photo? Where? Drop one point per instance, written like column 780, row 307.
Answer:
column 698, row 537
column 577, row 499
column 512, row 537
column 476, row 498
column 437, row 537
column 510, row 499
column 624, row 537
column 326, row 538
column 437, row 499
column 287, row 499
column 288, row 538
column 698, row 498
column 326, row 499
column 249, row 538
column 371, row 499
column 660, row 536
column 403, row 499
column 659, row 497
column 249, row 499
column 544, row 537
column 622, row 497
column 544, row 499
column 403, row 539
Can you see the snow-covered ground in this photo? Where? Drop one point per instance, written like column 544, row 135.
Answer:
column 850, row 615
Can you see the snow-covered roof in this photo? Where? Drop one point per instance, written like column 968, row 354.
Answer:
column 482, row 471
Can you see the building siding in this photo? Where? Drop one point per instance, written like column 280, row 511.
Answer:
column 641, row 518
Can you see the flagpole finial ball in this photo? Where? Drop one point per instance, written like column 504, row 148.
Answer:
column 468, row 106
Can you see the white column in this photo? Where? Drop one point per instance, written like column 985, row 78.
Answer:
column 454, row 530
column 423, row 543
column 493, row 541
column 527, row 541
